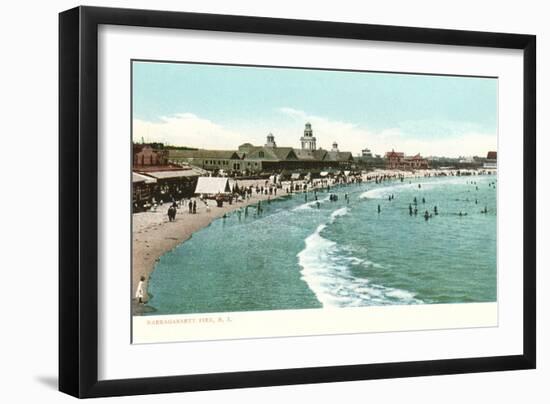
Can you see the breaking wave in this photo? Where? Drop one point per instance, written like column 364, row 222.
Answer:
column 385, row 191
column 309, row 205
column 326, row 270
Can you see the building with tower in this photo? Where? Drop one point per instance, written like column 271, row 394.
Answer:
column 270, row 141
column 249, row 159
column 309, row 142
column 366, row 152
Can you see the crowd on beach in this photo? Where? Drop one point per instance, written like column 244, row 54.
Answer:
column 249, row 192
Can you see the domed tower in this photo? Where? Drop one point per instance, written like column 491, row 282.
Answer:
column 334, row 147
column 308, row 141
column 270, row 141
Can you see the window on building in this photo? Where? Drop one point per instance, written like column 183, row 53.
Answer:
column 261, row 154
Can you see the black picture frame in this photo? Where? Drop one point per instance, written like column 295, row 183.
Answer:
column 78, row 200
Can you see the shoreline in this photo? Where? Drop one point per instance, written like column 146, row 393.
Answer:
column 153, row 234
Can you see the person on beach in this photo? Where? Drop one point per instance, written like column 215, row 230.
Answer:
column 423, row 200
column 410, row 210
column 414, row 200
column 171, row 213
column 139, row 290
column 194, row 206
column 190, row 206
column 435, row 211
column 378, row 209
column 246, row 211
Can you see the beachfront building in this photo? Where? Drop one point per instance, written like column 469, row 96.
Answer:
column 394, row 160
column 155, row 179
column 491, row 161
column 366, row 153
column 155, row 184
column 143, row 187
column 147, row 155
column 398, row 161
column 258, row 159
column 211, row 160
column 250, row 159
column 416, row 162
column 367, row 160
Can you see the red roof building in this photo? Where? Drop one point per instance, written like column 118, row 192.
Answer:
column 394, row 159
column 146, row 155
column 398, row 161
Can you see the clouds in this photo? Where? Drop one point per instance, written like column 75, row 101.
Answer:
column 444, row 138
column 439, row 137
column 187, row 129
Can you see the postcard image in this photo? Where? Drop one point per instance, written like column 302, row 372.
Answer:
column 286, row 201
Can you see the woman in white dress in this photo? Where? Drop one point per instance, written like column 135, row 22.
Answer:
column 139, row 291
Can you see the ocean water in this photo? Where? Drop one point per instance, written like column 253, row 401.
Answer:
column 296, row 255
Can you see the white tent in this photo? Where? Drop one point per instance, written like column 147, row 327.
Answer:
column 136, row 177
column 214, row 185
column 295, row 176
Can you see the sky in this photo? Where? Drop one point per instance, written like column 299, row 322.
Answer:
column 221, row 107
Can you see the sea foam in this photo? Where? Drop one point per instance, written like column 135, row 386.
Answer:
column 325, row 269
column 310, row 204
column 385, row 191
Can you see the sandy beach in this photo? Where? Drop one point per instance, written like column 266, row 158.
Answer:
column 154, row 235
